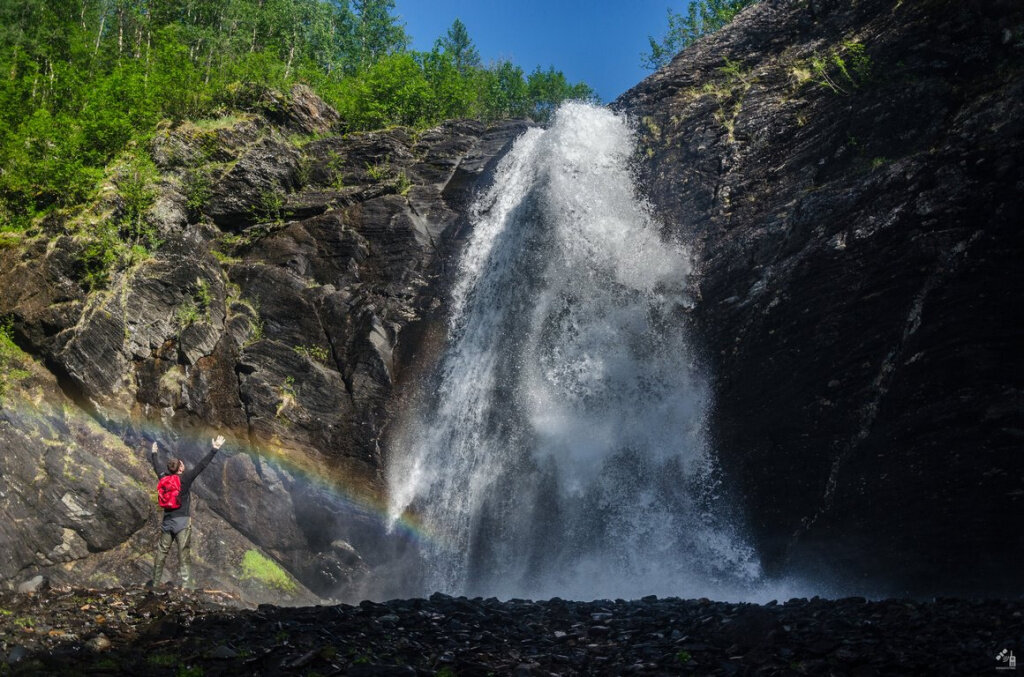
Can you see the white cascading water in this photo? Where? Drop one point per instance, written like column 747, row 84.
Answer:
column 561, row 449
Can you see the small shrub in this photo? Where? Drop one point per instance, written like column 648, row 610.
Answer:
column 197, row 189
column 163, row 660
column 135, row 186
column 101, row 251
column 8, row 239
column 304, row 170
column 288, row 387
column 8, row 351
column 195, row 308
column 269, row 207
column 202, row 295
column 186, row 314
column 734, row 71
column 403, row 183
column 842, row 68
column 256, row 328
column 336, row 163
column 378, row 172
column 317, row 353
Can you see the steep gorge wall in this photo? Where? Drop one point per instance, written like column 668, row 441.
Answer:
column 293, row 261
column 859, row 240
column 851, row 175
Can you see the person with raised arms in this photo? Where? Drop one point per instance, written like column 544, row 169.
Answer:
column 173, row 495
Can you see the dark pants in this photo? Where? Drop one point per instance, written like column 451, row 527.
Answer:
column 184, row 540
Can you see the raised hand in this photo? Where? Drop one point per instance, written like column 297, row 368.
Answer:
column 218, row 441
column 153, row 448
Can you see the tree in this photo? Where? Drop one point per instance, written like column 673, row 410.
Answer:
column 377, row 31
column 703, row 17
column 82, row 80
column 504, row 92
column 547, row 89
column 457, row 43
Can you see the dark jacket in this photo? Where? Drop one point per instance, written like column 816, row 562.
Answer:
column 177, row 519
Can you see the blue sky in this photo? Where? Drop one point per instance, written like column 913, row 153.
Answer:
column 598, row 42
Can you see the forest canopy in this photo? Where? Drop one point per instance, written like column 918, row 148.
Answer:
column 80, row 80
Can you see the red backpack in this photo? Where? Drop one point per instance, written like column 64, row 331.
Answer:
column 167, row 490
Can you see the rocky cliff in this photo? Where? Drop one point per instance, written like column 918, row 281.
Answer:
column 293, row 265
column 848, row 172
column 851, row 175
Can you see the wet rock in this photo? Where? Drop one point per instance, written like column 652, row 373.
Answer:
column 856, row 253
column 34, row 584
column 223, row 652
column 282, row 309
column 17, row 654
column 98, row 643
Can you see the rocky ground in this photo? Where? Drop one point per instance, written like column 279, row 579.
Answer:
column 173, row 632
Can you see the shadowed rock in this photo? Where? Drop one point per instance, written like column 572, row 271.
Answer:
column 858, row 229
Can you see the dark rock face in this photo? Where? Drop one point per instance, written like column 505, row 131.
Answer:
column 291, row 268
column 859, row 234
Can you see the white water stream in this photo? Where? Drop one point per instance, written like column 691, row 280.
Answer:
column 561, row 448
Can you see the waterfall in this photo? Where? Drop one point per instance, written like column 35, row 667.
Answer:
column 561, row 449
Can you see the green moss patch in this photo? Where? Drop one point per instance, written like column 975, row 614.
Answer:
column 258, row 567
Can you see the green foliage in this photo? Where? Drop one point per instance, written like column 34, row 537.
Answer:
column 83, row 81
column 403, row 183
column 288, row 387
column 378, row 172
column 8, row 373
column 734, row 70
column 186, row 314
column 256, row 327
column 457, row 43
column 202, row 295
column 260, row 568
column 135, row 188
column 103, row 248
column 163, row 660
column 195, row 308
column 547, row 89
column 269, row 206
column 841, row 68
column 702, row 17
column 197, row 189
column 317, row 353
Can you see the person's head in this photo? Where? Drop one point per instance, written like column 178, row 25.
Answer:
column 175, row 466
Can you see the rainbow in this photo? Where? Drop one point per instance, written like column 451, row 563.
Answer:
column 30, row 410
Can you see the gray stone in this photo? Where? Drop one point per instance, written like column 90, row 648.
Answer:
column 34, row 584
